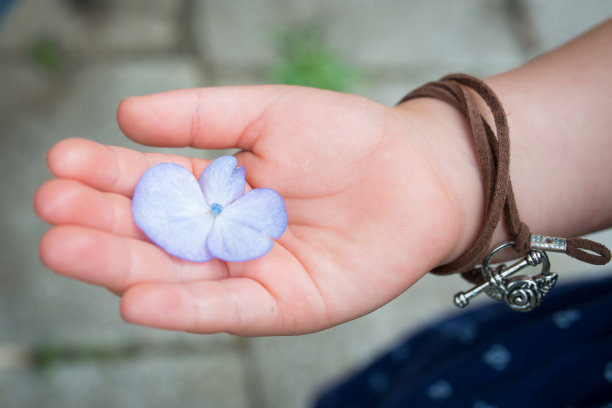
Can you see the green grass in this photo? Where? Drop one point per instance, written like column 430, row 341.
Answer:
column 305, row 60
column 47, row 55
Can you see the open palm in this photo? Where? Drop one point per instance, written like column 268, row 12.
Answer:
column 368, row 213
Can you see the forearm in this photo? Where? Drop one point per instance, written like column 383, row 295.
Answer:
column 559, row 109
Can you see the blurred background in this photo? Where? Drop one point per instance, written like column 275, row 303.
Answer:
column 64, row 67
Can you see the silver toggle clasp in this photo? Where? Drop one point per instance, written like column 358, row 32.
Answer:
column 522, row 293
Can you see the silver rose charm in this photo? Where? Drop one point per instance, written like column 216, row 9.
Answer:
column 523, row 293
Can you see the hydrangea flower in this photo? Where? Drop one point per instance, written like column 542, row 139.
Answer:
column 210, row 218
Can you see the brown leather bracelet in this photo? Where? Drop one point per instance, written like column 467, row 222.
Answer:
column 493, row 150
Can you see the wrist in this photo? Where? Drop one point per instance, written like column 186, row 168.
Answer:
column 452, row 153
column 446, row 138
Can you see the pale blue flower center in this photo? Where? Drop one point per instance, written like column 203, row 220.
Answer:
column 216, row 209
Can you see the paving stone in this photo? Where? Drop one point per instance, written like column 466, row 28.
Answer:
column 201, row 380
column 105, row 26
column 23, row 86
column 399, row 34
column 238, row 33
column 554, row 23
column 376, row 36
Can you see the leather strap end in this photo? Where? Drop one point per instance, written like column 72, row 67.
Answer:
column 589, row 251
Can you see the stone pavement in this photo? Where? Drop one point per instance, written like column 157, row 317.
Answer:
column 65, row 65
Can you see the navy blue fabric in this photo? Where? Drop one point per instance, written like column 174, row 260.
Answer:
column 559, row 355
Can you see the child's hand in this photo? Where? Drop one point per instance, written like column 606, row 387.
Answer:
column 369, row 209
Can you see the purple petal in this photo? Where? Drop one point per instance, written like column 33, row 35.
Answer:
column 244, row 230
column 222, row 182
column 234, row 242
column 262, row 209
column 168, row 206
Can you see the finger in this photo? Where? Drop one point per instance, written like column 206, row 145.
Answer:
column 115, row 262
column 237, row 305
column 109, row 168
column 210, row 118
column 70, row 202
column 272, row 295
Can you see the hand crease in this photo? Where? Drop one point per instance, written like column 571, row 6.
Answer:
column 112, row 222
column 129, row 273
column 197, row 322
column 302, row 263
column 262, row 114
column 116, row 176
column 195, row 118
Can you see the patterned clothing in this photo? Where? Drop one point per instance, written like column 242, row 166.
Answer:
column 558, row 355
